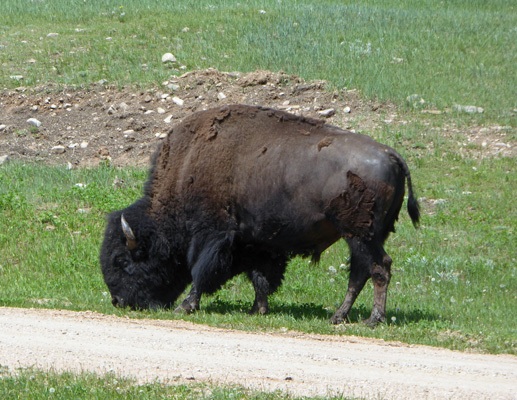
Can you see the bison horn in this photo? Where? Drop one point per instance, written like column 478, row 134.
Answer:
column 128, row 232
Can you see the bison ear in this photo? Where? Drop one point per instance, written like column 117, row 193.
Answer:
column 128, row 233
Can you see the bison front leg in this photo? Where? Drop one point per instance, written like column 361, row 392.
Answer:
column 191, row 302
column 262, row 290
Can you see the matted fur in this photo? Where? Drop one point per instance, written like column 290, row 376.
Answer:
column 240, row 180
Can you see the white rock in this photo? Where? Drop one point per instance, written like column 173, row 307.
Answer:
column 4, row 159
column 168, row 119
column 160, row 110
column 58, row 149
column 16, row 77
column 2, row 127
column 160, row 135
column 327, row 113
column 178, row 101
column 168, row 57
column 186, row 29
column 128, row 132
column 468, row 109
column 148, row 112
column 221, row 96
column 173, row 86
column 347, row 110
column 84, row 145
column 53, row 34
column 34, row 122
column 73, row 145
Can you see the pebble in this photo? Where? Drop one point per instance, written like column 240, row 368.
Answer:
column 2, row 127
column 58, row 149
column 178, row 101
column 168, row 119
column 168, row 57
column 53, row 34
column 160, row 110
column 347, row 110
column 16, row 77
column 161, row 135
column 34, row 122
column 112, row 110
column 4, row 159
column 148, row 99
column 221, row 96
column 415, row 100
column 327, row 113
column 84, row 145
column 173, row 86
column 468, row 109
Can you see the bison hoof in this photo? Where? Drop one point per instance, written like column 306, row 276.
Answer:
column 337, row 319
column 262, row 310
column 184, row 309
column 373, row 321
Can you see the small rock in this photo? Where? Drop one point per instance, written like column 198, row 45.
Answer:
column 148, row 112
column 129, row 132
column 173, row 86
column 58, row 149
column 221, row 96
column 186, row 29
column 16, row 77
column 83, row 145
column 148, row 99
column 53, row 34
column 112, row 110
column 160, row 110
column 168, row 57
column 4, row 159
column 468, row 109
column 102, row 82
column 347, row 110
column 168, row 119
column 69, row 165
column 73, row 145
column 415, row 100
column 327, row 113
column 34, row 122
column 176, row 100
column 145, row 67
column 160, row 135
column 123, row 107
column 2, row 127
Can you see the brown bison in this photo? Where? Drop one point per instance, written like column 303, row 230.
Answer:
column 242, row 189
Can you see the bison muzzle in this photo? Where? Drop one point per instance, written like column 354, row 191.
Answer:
column 242, row 189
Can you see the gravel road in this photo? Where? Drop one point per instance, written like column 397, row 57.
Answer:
column 301, row 364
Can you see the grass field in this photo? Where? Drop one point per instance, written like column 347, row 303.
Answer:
column 455, row 52
column 455, row 280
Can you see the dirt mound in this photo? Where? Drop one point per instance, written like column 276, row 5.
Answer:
column 85, row 127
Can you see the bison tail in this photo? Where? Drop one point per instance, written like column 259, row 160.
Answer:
column 413, row 207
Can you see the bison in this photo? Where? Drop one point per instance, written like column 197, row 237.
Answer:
column 242, row 189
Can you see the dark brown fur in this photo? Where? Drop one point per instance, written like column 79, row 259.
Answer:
column 241, row 189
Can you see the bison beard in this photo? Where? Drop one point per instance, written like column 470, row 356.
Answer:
column 242, row 189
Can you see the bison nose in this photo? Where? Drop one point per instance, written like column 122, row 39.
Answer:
column 117, row 301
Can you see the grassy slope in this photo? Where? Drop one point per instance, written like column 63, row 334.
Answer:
column 454, row 282
column 452, row 52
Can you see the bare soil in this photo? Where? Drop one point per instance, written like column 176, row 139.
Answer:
column 300, row 364
column 85, row 127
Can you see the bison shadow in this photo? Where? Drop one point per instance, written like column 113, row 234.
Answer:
column 317, row 311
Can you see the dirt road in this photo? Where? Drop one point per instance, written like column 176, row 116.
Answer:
column 300, row 364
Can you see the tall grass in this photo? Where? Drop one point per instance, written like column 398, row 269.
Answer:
column 450, row 52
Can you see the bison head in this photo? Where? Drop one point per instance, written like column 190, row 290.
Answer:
column 137, row 263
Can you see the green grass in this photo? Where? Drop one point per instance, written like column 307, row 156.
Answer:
column 453, row 284
column 450, row 52
column 36, row 385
